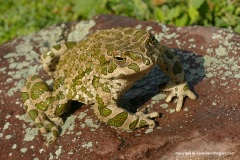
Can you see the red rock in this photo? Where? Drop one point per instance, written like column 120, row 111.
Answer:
column 207, row 128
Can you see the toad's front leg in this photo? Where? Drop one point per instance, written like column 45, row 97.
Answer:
column 50, row 58
column 43, row 106
column 172, row 67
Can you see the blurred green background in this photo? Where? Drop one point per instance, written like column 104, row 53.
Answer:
column 20, row 17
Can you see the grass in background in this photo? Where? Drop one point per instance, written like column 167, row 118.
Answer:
column 22, row 17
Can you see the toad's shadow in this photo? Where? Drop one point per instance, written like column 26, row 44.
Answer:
column 146, row 88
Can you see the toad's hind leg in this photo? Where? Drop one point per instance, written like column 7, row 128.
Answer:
column 50, row 58
column 43, row 106
column 119, row 117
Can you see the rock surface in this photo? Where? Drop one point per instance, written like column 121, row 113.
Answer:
column 207, row 128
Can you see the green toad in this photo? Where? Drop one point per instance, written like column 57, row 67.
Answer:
column 97, row 71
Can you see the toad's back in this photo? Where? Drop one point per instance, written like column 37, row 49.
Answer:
column 100, row 60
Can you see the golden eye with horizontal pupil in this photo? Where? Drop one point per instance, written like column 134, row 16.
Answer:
column 120, row 60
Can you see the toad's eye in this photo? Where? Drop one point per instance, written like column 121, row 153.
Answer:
column 120, row 60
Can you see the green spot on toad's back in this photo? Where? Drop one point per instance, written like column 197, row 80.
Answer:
column 25, row 96
column 33, row 114
column 56, row 133
column 48, row 54
column 95, row 81
column 133, row 124
column 112, row 67
column 58, row 82
column 57, row 47
column 146, row 61
column 128, row 31
column 134, row 67
column 38, row 89
column 43, row 105
column 60, row 109
column 103, row 70
column 105, row 88
column 103, row 110
column 60, row 95
column 39, row 125
column 118, row 120
column 143, row 123
column 84, row 89
column 133, row 56
column 49, row 126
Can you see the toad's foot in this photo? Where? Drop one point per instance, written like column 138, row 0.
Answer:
column 145, row 119
column 51, row 124
column 179, row 90
column 45, row 123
